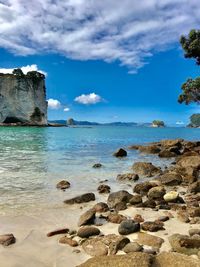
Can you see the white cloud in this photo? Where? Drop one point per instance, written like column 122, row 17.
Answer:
column 127, row 32
column 25, row 69
column 54, row 104
column 180, row 123
column 66, row 109
column 88, row 99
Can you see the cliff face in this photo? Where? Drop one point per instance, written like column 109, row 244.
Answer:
column 23, row 98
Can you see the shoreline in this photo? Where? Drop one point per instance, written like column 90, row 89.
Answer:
column 31, row 231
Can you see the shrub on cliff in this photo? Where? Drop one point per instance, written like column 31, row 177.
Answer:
column 195, row 120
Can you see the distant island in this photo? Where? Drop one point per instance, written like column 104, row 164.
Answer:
column 158, row 123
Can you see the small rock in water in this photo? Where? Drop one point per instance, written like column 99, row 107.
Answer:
column 87, row 231
column 101, row 207
column 58, row 232
column 97, row 165
column 120, row 153
column 63, row 185
column 127, row 227
column 68, row 241
column 87, row 217
column 7, row 239
column 81, row 199
column 103, row 188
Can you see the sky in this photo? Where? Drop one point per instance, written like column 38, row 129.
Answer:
column 104, row 60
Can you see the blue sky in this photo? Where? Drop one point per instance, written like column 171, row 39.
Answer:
column 125, row 64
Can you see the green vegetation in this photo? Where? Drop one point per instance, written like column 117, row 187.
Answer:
column 158, row 123
column 18, row 72
column 191, row 47
column 70, row 122
column 195, row 120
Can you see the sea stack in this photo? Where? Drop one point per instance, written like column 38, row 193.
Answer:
column 23, row 98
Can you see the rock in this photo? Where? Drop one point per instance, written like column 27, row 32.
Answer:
column 184, row 244
column 87, row 231
column 163, row 218
column 128, row 177
column 116, row 218
column 152, row 226
column 118, row 244
column 135, row 259
column 143, row 188
column 7, row 239
column 116, row 197
column 63, row 185
column 172, row 259
column 194, row 211
column 194, row 232
column 183, row 216
column 166, row 153
column 156, row 193
column 136, row 199
column 171, row 179
column 23, row 98
column 87, row 217
column 171, row 196
column 146, row 169
column 58, row 232
column 68, row 241
column 103, row 188
column 120, row 153
column 120, row 206
column 132, row 247
column 189, row 161
column 95, row 247
column 81, row 199
column 194, row 187
column 97, row 165
column 138, row 218
column 150, row 149
column 150, row 240
column 149, row 204
column 171, row 143
column 127, row 227
column 101, row 207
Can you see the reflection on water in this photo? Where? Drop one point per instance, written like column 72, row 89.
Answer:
column 33, row 160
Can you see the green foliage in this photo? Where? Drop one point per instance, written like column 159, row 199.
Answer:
column 18, row 72
column 70, row 121
column 191, row 45
column 191, row 91
column 158, row 123
column 195, row 120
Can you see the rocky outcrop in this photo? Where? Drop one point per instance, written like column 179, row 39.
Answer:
column 23, row 98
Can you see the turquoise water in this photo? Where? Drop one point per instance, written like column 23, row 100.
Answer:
column 33, row 160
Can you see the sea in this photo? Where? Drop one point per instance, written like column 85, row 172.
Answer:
column 33, row 160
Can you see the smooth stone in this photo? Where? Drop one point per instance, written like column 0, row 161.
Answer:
column 194, row 232
column 184, row 244
column 119, row 196
column 7, row 239
column 58, row 232
column 118, row 244
column 170, row 179
column 128, row 177
column 63, row 185
column 116, row 218
column 81, row 199
column 103, row 189
column 136, row 199
column 152, row 226
column 149, row 240
column 171, row 196
column 120, row 153
column 97, row 165
column 132, row 247
column 156, row 193
column 87, row 231
column 95, row 247
column 68, row 241
column 127, row 227
column 143, row 188
column 87, row 217
column 146, row 169
column 101, row 207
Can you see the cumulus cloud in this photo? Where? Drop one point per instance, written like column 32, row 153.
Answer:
column 25, row 69
column 88, row 99
column 54, row 104
column 127, row 32
column 180, row 123
column 66, row 109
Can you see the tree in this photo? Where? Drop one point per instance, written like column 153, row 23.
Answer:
column 191, row 47
column 195, row 120
column 70, row 122
column 18, row 72
column 158, row 123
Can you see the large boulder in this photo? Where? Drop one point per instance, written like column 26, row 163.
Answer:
column 81, row 199
column 146, row 169
column 95, row 247
column 189, row 161
column 135, row 259
column 170, row 179
column 150, row 149
column 117, row 197
column 171, row 143
column 185, row 244
column 172, row 259
column 166, row 153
